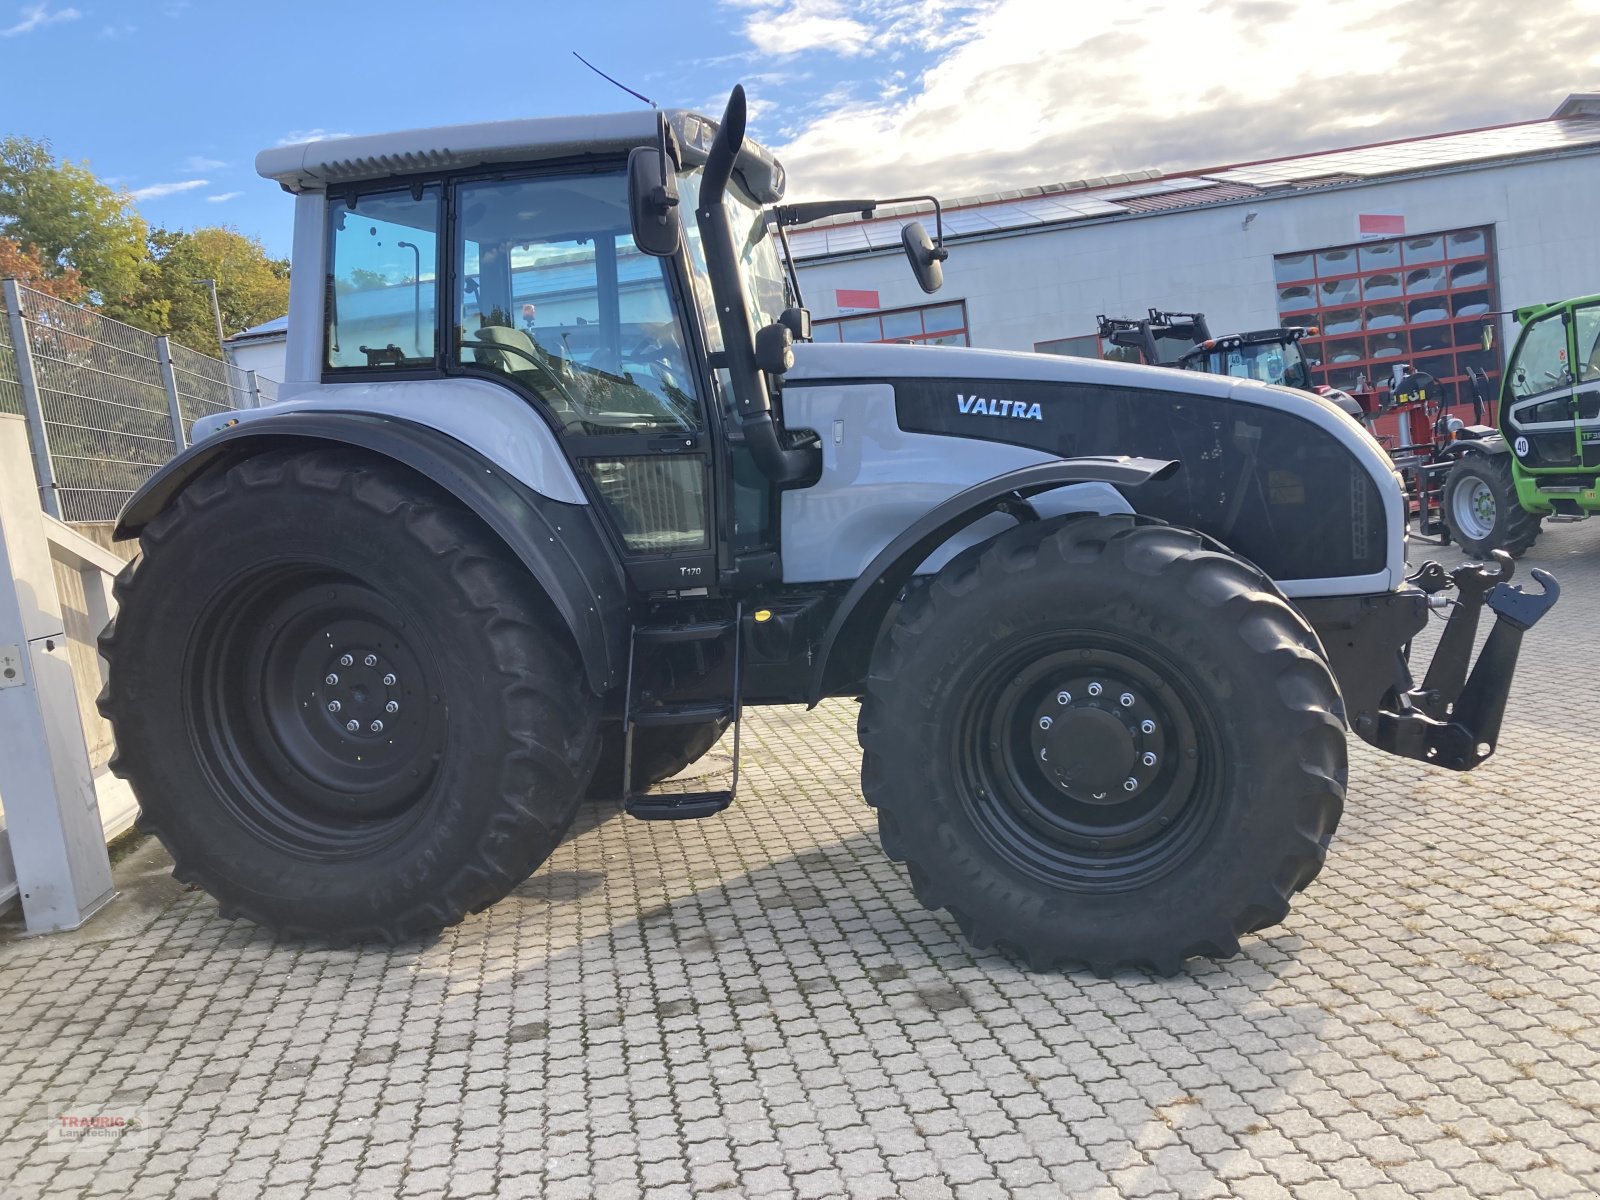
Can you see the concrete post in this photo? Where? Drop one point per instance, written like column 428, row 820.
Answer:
column 52, row 818
column 169, row 382
column 43, row 468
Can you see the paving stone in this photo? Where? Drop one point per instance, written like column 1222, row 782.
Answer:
column 755, row 1005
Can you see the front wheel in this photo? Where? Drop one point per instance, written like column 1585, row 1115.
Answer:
column 1104, row 741
column 1482, row 510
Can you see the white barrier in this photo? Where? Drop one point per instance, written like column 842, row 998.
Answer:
column 52, row 833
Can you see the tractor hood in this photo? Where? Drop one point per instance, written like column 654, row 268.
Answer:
column 824, row 360
column 1281, row 476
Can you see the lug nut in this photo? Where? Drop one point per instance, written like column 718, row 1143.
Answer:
column 392, row 707
column 1063, row 697
column 371, row 660
column 1147, row 726
column 352, row 726
column 1095, row 689
column 1129, row 784
column 388, row 680
column 334, row 706
column 376, row 727
column 330, row 679
column 1045, row 722
column 346, row 660
column 1126, row 699
column 1149, row 758
column 1045, row 755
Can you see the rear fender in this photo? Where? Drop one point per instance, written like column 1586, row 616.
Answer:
column 847, row 645
column 562, row 545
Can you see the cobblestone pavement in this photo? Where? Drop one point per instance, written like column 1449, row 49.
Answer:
column 754, row 1005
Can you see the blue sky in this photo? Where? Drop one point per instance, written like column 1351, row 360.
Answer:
column 172, row 98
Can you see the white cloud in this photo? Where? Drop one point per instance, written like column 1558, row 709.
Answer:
column 223, row 197
column 1012, row 93
column 117, row 33
column 37, row 16
column 156, row 191
column 295, row 136
column 197, row 164
column 788, row 31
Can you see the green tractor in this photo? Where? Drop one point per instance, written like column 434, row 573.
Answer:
column 1545, row 459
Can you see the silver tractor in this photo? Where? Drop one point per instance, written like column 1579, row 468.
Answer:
column 559, row 485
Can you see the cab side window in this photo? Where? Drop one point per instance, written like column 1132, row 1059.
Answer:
column 1541, row 362
column 1586, row 324
column 383, row 280
column 554, row 293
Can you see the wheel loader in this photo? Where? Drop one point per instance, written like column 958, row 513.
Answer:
column 557, row 488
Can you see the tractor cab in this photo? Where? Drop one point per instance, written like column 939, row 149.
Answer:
column 1265, row 355
column 1550, row 403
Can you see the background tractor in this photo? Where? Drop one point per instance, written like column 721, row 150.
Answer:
column 557, row 487
column 1545, row 460
column 1185, row 341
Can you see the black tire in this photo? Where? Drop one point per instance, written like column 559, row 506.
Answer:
column 1481, row 508
column 659, row 752
column 294, row 582
column 1190, row 647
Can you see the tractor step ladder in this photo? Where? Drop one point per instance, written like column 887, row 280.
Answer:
column 680, row 806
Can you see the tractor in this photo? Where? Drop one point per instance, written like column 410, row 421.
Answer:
column 557, row 488
column 1184, row 340
column 1544, row 461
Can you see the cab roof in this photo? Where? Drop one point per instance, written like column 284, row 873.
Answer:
column 318, row 165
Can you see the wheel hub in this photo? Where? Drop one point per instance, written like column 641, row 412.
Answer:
column 359, row 692
column 1098, row 740
column 1085, row 763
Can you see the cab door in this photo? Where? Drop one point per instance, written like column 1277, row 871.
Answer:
column 1540, row 414
column 553, row 296
column 1586, row 389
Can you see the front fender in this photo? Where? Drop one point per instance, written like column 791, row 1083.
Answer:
column 847, row 645
column 562, row 545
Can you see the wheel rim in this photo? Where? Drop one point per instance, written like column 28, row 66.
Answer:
column 1088, row 762
column 287, row 661
column 1472, row 505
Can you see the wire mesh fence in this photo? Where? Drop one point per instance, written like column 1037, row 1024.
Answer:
column 115, row 402
column 207, row 385
column 10, row 389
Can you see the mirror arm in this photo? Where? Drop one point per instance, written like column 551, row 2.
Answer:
column 940, row 253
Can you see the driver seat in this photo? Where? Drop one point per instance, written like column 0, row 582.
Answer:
column 515, row 364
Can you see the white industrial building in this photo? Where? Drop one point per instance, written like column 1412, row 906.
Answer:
column 1397, row 251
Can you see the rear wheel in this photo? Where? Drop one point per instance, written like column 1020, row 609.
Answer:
column 358, row 721
column 1482, row 510
column 1102, row 741
column 659, row 752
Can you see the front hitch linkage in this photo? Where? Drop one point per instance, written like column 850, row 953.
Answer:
column 1453, row 719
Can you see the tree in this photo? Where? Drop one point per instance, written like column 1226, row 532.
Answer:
column 26, row 265
column 251, row 286
column 74, row 222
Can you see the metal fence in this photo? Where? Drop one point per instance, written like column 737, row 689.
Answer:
column 106, row 403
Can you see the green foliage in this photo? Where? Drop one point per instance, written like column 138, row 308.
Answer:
column 72, row 220
column 65, row 232
column 251, row 286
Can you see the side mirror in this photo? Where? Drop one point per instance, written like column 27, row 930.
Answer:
column 774, row 348
column 653, row 203
column 927, row 260
column 799, row 322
